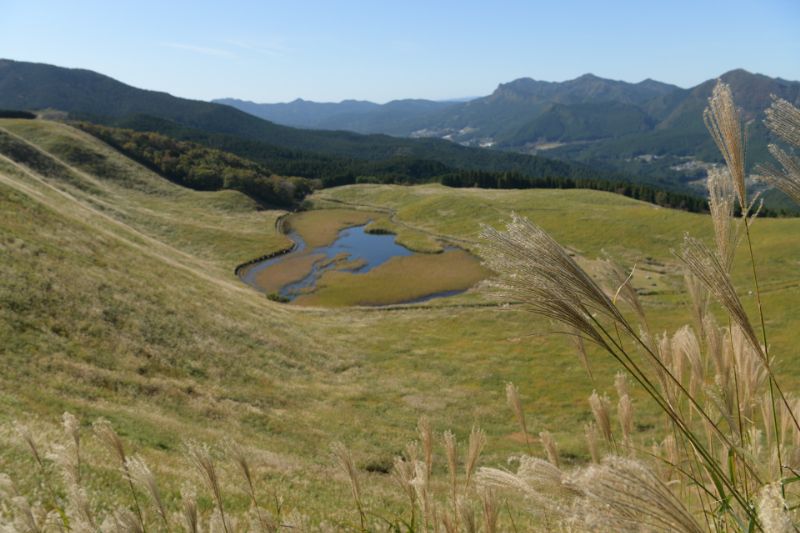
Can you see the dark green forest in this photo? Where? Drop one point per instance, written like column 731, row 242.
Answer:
column 203, row 169
column 645, row 193
column 400, row 166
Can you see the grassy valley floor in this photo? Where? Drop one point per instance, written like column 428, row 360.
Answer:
column 118, row 299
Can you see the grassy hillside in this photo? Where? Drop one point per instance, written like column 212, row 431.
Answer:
column 118, row 299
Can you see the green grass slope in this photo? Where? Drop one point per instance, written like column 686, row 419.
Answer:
column 118, row 299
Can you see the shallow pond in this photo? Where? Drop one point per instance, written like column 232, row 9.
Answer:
column 354, row 251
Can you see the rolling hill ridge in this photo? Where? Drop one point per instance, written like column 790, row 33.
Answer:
column 107, row 101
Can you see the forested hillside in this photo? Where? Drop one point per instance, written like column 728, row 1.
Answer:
column 401, row 166
column 203, row 169
column 197, row 167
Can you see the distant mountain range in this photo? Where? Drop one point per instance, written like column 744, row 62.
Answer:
column 647, row 128
column 648, row 132
column 90, row 96
column 352, row 115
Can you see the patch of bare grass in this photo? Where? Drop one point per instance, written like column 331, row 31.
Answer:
column 321, row 227
column 410, row 239
column 287, row 271
column 401, row 279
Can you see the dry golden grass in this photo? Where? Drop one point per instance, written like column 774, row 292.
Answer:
column 401, row 279
column 106, row 313
column 322, row 227
column 286, row 271
column 413, row 240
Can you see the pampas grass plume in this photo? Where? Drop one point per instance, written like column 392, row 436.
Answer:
column 426, row 438
column 344, row 461
column 600, row 408
column 590, row 430
column 477, row 440
column 550, row 447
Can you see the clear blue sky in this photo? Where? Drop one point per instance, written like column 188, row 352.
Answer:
column 327, row 51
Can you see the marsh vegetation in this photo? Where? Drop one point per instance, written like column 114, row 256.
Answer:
column 346, row 257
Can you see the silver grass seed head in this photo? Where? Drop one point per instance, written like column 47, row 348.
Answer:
column 451, row 450
column 447, row 522
column 723, row 120
column 671, row 448
column 491, row 510
column 786, row 179
column 72, row 429
column 536, row 480
column 784, row 120
column 700, row 299
column 341, row 456
column 298, row 521
column 590, row 430
column 766, row 413
column 426, row 438
column 127, row 521
column 199, row 458
column 708, row 268
column 104, row 432
column 623, row 495
column 550, row 447
column 540, row 474
column 721, row 406
column 601, row 406
column 412, row 451
column 143, row 478
column 772, row 511
column 189, row 508
column 538, row 272
column 79, row 502
column 688, row 345
column 656, row 449
column 219, row 523
column 754, row 442
column 625, row 412
column 515, row 403
column 25, row 515
column 66, row 463
column 477, row 440
column 26, row 435
column 110, row 525
column 621, row 384
column 7, row 487
column 722, row 200
column 237, row 456
column 264, row 521
column 403, row 473
column 467, row 515
column 715, row 349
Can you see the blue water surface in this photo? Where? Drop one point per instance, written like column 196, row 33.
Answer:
column 375, row 250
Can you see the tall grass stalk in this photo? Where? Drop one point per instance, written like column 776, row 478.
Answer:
column 723, row 460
